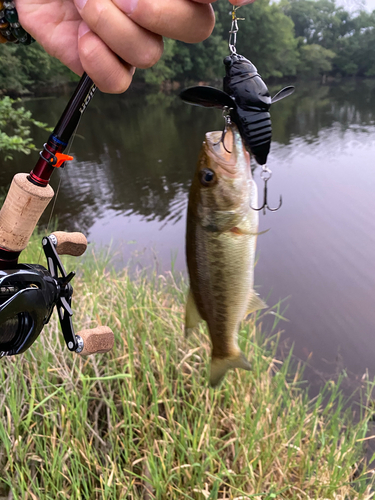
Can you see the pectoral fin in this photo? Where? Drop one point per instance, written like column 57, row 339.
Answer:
column 239, row 230
column 192, row 316
column 220, row 366
column 262, row 232
column 255, row 303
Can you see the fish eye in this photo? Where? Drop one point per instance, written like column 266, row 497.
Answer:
column 207, row 177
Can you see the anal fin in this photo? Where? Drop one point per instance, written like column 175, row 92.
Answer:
column 255, row 303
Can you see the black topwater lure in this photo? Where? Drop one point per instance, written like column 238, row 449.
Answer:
column 245, row 96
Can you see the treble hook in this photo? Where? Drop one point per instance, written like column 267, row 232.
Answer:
column 228, row 123
column 266, row 176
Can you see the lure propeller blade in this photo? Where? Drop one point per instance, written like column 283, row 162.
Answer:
column 208, row 97
column 282, row 93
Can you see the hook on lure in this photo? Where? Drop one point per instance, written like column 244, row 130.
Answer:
column 228, row 122
column 266, row 176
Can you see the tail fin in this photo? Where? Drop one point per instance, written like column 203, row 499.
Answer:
column 220, row 366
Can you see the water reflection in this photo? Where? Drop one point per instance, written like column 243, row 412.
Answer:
column 133, row 155
column 136, row 153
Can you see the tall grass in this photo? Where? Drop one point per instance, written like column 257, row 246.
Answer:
column 142, row 423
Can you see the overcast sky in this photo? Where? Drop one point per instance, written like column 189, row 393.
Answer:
column 352, row 5
column 355, row 4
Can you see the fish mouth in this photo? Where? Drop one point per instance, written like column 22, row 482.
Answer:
column 224, row 150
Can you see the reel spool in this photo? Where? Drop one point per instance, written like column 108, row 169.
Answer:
column 29, row 293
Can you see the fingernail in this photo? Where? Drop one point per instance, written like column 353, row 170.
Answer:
column 80, row 4
column 132, row 70
column 83, row 29
column 127, row 6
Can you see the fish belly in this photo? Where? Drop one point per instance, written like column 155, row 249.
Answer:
column 221, row 270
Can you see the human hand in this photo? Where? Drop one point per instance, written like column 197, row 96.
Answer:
column 98, row 36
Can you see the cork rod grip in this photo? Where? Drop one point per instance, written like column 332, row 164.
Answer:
column 21, row 211
column 100, row 339
column 70, row 243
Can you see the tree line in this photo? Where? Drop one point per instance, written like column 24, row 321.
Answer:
column 289, row 39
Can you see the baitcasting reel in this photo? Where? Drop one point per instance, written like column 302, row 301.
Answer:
column 29, row 293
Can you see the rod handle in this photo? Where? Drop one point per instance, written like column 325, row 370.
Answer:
column 99, row 339
column 69, row 243
column 21, row 211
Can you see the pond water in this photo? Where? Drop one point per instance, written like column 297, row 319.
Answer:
column 135, row 156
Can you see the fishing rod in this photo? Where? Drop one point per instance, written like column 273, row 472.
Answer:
column 29, row 292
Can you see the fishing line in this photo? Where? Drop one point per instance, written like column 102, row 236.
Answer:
column 59, row 185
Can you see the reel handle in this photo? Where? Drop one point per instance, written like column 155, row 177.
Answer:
column 99, row 339
column 69, row 243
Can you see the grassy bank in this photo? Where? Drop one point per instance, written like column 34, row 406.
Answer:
column 141, row 422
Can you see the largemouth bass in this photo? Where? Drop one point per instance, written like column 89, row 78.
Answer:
column 221, row 239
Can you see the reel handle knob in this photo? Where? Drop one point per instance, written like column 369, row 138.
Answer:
column 99, row 339
column 69, row 243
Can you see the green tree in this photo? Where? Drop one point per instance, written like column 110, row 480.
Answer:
column 315, row 60
column 23, row 67
column 163, row 70
column 266, row 37
column 319, row 22
column 355, row 54
column 323, row 26
column 203, row 61
column 15, row 128
column 183, row 61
